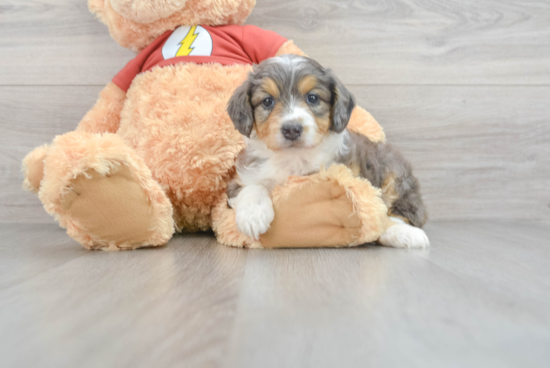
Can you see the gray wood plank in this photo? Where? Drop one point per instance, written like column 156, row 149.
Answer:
column 30, row 117
column 54, row 42
column 419, row 41
column 67, row 307
column 479, row 297
column 380, row 307
column 33, row 249
column 520, row 270
column 480, row 152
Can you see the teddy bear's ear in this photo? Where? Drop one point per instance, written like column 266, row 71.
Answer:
column 240, row 109
column 96, row 6
column 146, row 11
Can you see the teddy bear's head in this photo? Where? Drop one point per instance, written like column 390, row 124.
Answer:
column 136, row 23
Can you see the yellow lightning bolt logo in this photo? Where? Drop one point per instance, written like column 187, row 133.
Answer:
column 187, row 42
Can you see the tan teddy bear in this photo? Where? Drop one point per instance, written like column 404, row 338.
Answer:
column 155, row 153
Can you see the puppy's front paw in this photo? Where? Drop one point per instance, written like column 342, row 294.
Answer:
column 404, row 236
column 254, row 218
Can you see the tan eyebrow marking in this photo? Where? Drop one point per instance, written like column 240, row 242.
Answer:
column 270, row 87
column 306, row 84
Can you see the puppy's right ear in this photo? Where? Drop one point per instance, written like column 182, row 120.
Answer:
column 240, row 109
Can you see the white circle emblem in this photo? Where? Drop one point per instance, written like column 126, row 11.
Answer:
column 188, row 41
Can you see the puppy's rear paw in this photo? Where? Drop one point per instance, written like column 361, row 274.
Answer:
column 254, row 219
column 404, row 236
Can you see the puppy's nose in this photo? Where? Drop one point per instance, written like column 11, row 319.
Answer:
column 292, row 131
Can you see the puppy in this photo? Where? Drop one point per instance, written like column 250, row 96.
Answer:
column 294, row 114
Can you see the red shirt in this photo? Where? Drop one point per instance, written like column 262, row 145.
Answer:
column 226, row 45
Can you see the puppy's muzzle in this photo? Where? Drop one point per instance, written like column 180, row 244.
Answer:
column 292, row 131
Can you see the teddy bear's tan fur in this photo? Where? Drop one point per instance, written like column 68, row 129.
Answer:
column 158, row 158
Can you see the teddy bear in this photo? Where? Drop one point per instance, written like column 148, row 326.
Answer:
column 154, row 155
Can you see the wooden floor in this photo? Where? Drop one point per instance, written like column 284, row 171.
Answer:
column 480, row 297
column 461, row 86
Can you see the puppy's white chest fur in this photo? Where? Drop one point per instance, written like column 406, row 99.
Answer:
column 260, row 165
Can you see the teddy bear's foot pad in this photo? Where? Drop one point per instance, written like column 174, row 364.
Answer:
column 113, row 209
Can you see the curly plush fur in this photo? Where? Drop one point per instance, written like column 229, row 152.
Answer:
column 193, row 150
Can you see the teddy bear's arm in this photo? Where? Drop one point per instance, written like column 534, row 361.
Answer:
column 104, row 117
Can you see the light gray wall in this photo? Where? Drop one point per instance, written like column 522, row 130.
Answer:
column 463, row 87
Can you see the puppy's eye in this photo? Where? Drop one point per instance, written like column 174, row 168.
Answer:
column 268, row 102
column 313, row 99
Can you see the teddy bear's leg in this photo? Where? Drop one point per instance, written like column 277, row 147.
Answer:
column 103, row 193
column 314, row 214
column 328, row 209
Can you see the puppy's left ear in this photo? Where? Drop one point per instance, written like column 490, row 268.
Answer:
column 343, row 104
column 240, row 109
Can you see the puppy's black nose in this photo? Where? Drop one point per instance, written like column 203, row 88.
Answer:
column 292, row 132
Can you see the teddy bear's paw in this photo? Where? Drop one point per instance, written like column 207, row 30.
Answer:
column 404, row 236
column 113, row 211
column 253, row 218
